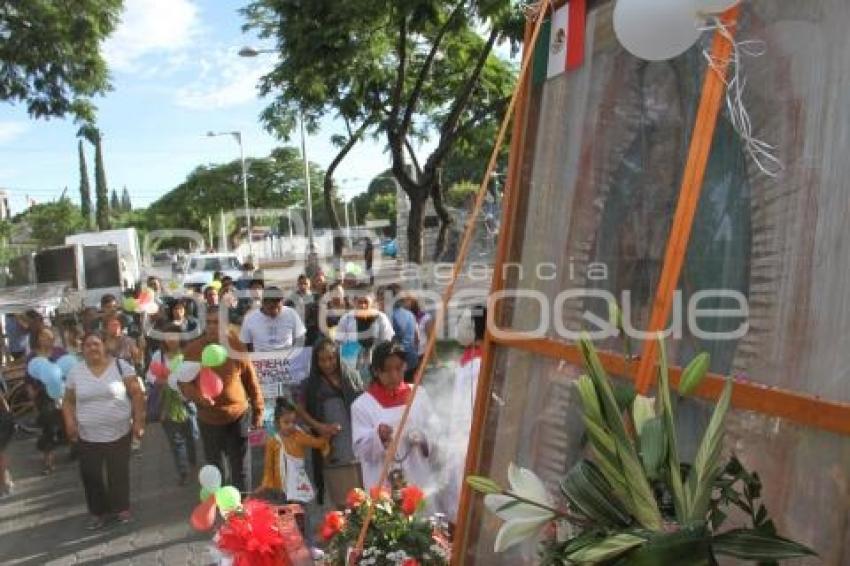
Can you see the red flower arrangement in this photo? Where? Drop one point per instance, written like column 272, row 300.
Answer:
column 356, row 497
column 257, row 535
column 411, row 499
column 334, row 523
column 397, row 534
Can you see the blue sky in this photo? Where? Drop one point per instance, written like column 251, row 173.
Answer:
column 176, row 75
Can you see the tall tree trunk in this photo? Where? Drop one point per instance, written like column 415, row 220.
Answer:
column 415, row 225
column 330, row 192
column 100, row 186
column 85, row 188
column 445, row 217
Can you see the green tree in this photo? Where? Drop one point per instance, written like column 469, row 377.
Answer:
column 50, row 54
column 51, row 222
column 276, row 182
column 85, row 188
column 114, row 203
column 126, row 204
column 383, row 207
column 403, row 69
column 101, row 190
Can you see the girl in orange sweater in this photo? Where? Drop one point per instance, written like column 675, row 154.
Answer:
column 284, row 472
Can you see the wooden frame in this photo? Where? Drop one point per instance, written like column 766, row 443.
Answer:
column 802, row 409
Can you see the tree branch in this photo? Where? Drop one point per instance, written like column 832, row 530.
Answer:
column 448, row 131
column 401, row 52
column 413, row 99
column 413, row 157
column 329, row 173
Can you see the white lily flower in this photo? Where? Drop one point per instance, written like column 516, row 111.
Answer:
column 522, row 520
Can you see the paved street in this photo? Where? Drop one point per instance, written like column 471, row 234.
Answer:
column 42, row 523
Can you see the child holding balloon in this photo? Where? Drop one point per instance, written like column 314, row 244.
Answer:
column 46, row 387
column 176, row 414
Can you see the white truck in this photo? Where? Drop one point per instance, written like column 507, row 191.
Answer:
column 127, row 242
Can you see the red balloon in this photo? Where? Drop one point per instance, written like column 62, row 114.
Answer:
column 210, row 383
column 203, row 517
column 145, row 297
column 159, row 370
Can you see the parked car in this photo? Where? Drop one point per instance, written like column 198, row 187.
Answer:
column 163, row 258
column 389, row 248
column 198, row 269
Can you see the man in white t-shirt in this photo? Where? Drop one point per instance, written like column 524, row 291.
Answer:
column 273, row 332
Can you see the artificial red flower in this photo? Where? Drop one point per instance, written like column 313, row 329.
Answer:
column 411, row 498
column 356, row 497
column 380, row 494
column 334, row 523
column 410, row 562
column 251, row 536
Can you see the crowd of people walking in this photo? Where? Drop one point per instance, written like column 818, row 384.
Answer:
column 321, row 373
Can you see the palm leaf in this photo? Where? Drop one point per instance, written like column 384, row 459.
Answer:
column 706, row 464
column 749, row 544
column 669, row 418
column 653, row 447
column 642, row 506
column 606, row 549
column 590, row 495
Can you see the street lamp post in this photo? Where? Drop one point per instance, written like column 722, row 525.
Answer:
column 237, row 135
column 312, row 257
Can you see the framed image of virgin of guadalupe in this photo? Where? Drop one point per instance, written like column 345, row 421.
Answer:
column 597, row 160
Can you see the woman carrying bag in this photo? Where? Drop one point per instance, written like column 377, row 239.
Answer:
column 104, row 407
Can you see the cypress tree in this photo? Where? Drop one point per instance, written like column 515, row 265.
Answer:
column 126, row 205
column 85, row 188
column 101, row 190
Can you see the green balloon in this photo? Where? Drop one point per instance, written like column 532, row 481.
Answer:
column 227, row 498
column 213, row 356
column 205, row 493
column 175, row 362
column 130, row 304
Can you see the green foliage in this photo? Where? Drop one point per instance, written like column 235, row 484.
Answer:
column 126, row 204
column 100, row 188
column 609, row 519
column 85, row 188
column 276, row 182
column 51, row 57
column 51, row 222
column 383, row 208
column 461, row 194
column 114, row 203
column 410, row 70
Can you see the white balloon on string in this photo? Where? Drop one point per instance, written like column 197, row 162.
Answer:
column 656, row 30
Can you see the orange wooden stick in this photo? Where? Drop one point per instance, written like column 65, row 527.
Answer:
column 463, row 251
column 709, row 108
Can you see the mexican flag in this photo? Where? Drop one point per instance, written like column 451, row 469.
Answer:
column 560, row 45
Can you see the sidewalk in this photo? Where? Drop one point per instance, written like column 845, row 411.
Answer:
column 42, row 522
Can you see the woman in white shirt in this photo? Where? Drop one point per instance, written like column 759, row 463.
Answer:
column 101, row 395
column 359, row 330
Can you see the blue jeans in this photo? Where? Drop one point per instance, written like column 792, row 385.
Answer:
column 182, row 443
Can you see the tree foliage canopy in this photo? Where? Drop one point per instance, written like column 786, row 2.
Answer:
column 276, row 182
column 51, row 222
column 409, row 69
column 50, row 54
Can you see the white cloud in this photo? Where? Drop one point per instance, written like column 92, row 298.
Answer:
column 11, row 130
column 223, row 82
column 151, row 27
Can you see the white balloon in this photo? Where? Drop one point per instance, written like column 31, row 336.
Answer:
column 656, row 30
column 210, row 477
column 714, row 6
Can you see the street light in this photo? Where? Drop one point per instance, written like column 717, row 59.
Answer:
column 312, row 259
column 238, row 137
